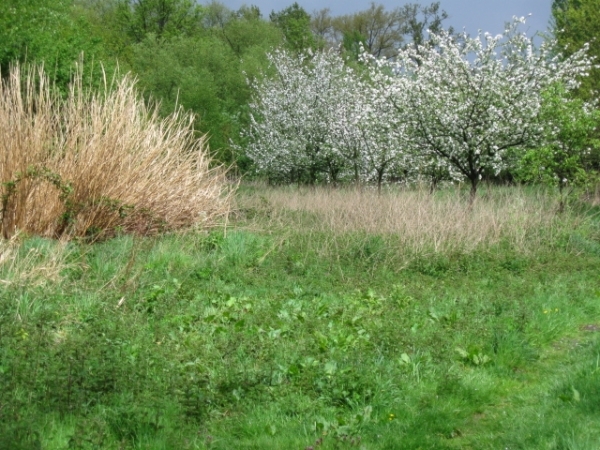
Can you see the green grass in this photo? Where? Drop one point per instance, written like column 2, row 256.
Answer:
column 283, row 338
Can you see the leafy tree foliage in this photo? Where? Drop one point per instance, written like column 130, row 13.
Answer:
column 421, row 20
column 121, row 24
column 353, row 43
column 321, row 25
column 381, row 32
column 294, row 21
column 575, row 23
column 570, row 150
column 162, row 18
column 52, row 32
column 208, row 74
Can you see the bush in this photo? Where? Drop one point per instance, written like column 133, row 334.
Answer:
column 91, row 163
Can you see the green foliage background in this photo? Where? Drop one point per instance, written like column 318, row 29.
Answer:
column 575, row 23
column 55, row 33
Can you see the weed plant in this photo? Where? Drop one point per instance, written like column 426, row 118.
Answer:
column 287, row 332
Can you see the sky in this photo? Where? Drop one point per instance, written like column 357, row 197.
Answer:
column 472, row 15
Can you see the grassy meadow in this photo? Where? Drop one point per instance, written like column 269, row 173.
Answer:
column 313, row 319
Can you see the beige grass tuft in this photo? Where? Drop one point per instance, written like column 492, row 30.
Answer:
column 90, row 163
column 35, row 267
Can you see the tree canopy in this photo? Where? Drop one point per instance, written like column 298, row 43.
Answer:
column 214, row 61
column 294, row 22
column 468, row 101
column 575, row 23
column 461, row 108
column 381, row 32
column 52, row 32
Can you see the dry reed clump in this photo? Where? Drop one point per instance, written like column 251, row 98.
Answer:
column 96, row 162
column 421, row 222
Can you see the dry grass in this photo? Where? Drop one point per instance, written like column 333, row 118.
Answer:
column 593, row 195
column 420, row 222
column 92, row 163
column 34, row 267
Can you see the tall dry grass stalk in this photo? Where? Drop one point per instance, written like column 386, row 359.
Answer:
column 418, row 221
column 94, row 162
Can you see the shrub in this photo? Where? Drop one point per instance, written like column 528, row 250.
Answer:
column 90, row 163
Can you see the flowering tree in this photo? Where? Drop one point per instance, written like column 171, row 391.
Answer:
column 318, row 117
column 467, row 101
column 289, row 121
column 364, row 131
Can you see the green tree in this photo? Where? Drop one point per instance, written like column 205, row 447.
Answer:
column 575, row 23
column 208, row 73
column 109, row 21
column 381, row 32
column 52, row 32
column 321, row 24
column 243, row 29
column 353, row 43
column 420, row 20
column 122, row 23
column 163, row 18
column 294, row 22
column 570, row 152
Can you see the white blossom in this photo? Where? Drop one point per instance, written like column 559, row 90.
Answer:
column 318, row 118
column 467, row 101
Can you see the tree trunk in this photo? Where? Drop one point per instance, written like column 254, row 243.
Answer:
column 561, row 197
column 473, row 193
